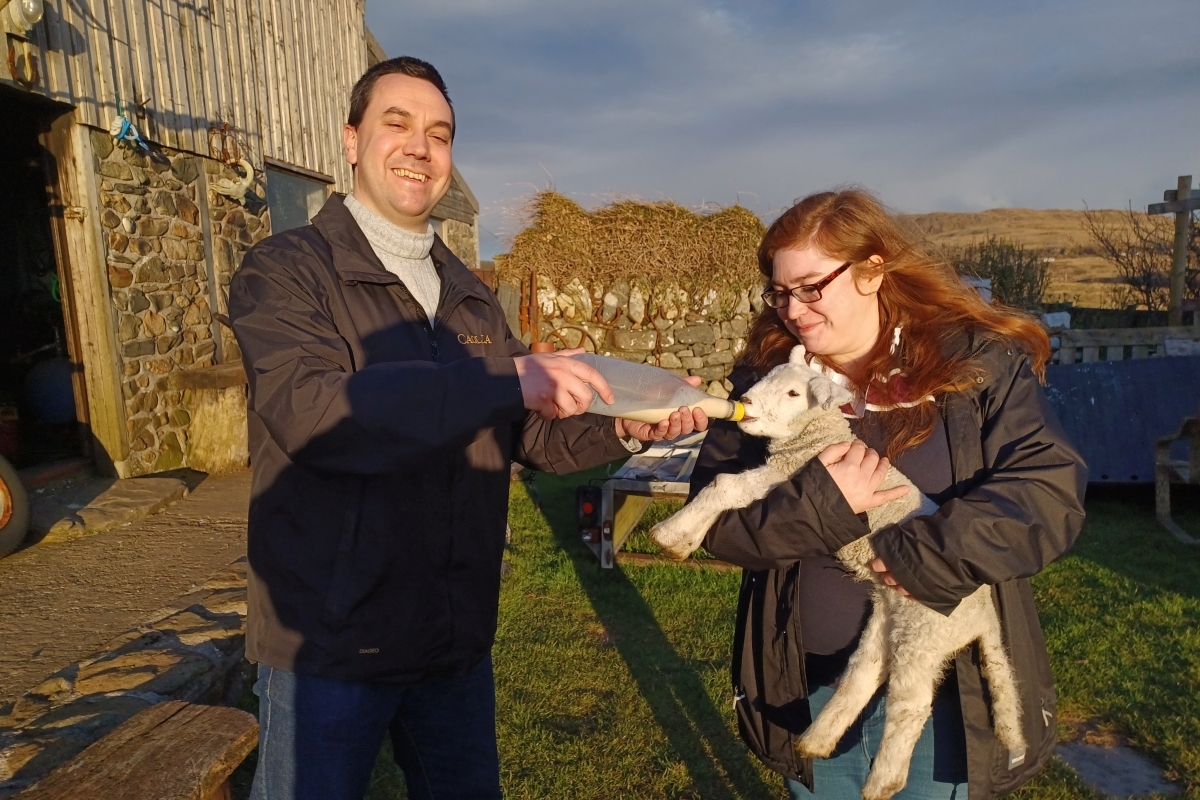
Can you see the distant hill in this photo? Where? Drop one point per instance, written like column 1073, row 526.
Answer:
column 1077, row 273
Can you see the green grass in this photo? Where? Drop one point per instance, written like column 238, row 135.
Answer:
column 615, row 684
column 1121, row 615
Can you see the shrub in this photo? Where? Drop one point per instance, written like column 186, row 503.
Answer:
column 1019, row 276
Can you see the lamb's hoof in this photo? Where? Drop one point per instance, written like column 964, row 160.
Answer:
column 813, row 747
column 881, row 788
column 672, row 545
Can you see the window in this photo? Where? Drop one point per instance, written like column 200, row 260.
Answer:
column 293, row 199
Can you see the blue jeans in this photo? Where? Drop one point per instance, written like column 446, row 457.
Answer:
column 939, row 763
column 318, row 737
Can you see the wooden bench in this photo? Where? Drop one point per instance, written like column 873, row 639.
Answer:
column 170, row 751
column 1117, row 344
column 1168, row 471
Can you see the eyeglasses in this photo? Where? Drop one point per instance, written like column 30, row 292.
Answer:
column 779, row 298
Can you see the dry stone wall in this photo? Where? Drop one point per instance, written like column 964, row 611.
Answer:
column 152, row 211
column 663, row 326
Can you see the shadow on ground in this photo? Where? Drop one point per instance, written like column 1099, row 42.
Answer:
column 716, row 760
column 1121, row 534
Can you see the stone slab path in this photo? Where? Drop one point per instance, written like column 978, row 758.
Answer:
column 85, row 506
column 1116, row 771
column 60, row 601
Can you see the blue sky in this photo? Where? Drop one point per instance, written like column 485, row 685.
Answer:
column 936, row 105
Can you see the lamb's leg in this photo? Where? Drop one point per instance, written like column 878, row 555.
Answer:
column 909, row 704
column 1006, row 701
column 864, row 675
column 683, row 532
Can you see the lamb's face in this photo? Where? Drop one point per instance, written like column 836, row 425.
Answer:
column 777, row 405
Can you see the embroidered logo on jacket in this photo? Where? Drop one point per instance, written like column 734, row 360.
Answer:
column 466, row 338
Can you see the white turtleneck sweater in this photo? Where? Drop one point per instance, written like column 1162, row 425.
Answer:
column 405, row 254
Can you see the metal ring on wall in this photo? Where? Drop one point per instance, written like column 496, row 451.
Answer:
column 31, row 64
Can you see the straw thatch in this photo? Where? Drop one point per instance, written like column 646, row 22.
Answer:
column 650, row 244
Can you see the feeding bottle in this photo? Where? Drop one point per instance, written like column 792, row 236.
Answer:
column 650, row 394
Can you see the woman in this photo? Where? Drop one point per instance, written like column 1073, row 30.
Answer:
column 947, row 388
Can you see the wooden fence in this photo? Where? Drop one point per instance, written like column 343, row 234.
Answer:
column 1119, row 344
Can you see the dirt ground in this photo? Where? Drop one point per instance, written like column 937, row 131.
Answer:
column 60, row 601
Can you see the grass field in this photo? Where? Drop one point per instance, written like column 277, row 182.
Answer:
column 614, row 684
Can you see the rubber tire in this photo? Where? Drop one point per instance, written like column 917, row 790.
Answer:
column 13, row 533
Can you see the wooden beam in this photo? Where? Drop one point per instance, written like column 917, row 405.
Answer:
column 312, row 175
column 1175, row 207
column 220, row 376
column 170, row 751
column 657, row 560
column 1119, row 337
column 70, row 145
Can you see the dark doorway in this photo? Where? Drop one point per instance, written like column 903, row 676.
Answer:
column 38, row 410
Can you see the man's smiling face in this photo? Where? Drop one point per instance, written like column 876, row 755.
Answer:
column 401, row 150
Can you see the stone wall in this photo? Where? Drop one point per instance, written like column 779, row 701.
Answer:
column 236, row 225
column 152, row 209
column 701, row 336
column 463, row 241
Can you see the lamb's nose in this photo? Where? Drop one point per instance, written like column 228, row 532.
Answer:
column 746, row 401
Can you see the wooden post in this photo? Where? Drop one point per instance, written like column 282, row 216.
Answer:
column 523, row 310
column 1181, row 203
column 1179, row 263
column 535, row 309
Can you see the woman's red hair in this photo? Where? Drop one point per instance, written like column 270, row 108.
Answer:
column 918, row 293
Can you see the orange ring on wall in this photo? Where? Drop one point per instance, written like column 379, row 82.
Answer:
column 31, row 64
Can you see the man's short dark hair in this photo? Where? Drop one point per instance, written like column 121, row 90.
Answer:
column 401, row 65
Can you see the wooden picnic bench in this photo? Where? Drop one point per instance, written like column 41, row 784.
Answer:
column 1118, row 344
column 170, row 751
column 1168, row 470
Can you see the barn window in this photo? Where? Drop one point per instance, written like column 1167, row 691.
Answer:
column 294, row 198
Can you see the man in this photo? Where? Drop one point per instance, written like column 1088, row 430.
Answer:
column 387, row 398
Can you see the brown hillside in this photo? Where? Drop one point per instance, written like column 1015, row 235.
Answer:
column 1076, row 273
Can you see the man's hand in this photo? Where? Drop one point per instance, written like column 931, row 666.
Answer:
column 858, row 471
column 557, row 386
column 886, row 576
column 680, row 423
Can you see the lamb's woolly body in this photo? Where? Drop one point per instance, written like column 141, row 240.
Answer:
column 905, row 643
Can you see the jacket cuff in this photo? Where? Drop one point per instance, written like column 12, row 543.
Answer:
column 618, row 448
column 839, row 525
column 504, row 392
column 902, row 563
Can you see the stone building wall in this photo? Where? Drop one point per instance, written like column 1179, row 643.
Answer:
column 152, row 209
column 462, row 240
column 665, row 327
column 235, row 227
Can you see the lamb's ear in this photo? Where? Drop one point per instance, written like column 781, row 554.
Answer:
column 798, row 354
column 828, row 393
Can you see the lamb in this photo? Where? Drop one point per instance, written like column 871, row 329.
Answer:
column 905, row 643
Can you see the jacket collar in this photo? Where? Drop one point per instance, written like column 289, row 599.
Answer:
column 355, row 260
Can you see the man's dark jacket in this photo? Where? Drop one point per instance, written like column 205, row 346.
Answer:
column 1016, row 505
column 381, row 450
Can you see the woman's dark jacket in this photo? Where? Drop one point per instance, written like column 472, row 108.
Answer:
column 1016, row 506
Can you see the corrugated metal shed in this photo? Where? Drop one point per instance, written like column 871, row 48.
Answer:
column 278, row 70
column 1114, row 410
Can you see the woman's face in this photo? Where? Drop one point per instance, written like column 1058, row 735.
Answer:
column 843, row 325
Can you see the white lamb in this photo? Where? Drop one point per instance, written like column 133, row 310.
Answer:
column 905, row 643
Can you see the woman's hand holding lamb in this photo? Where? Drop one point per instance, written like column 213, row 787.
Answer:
column 858, row 471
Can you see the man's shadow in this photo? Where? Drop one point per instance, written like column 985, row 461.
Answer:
column 718, row 763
